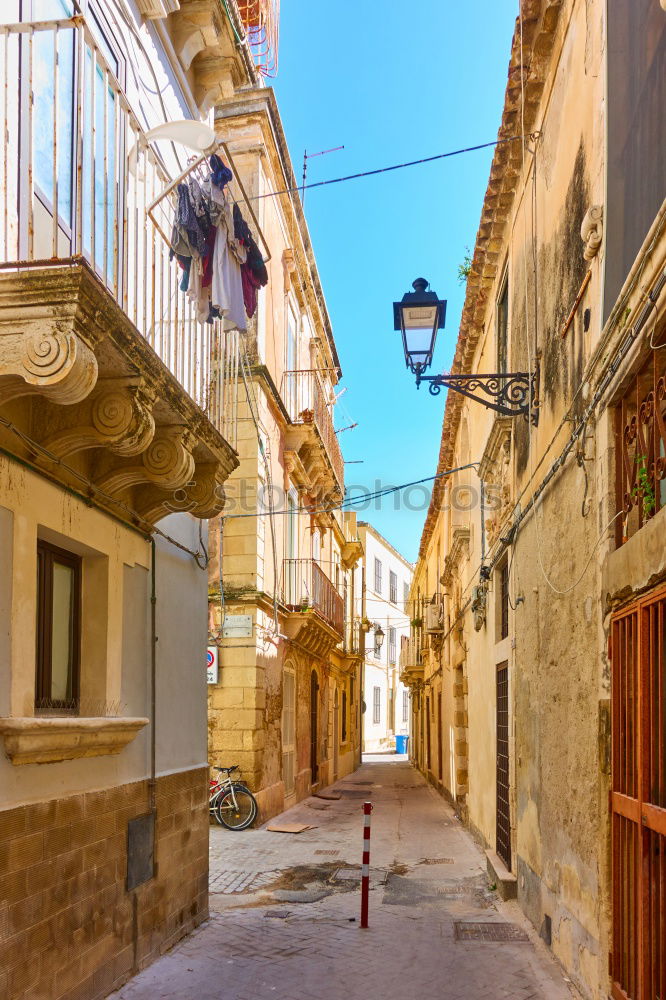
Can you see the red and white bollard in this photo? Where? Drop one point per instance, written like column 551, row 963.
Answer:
column 365, row 871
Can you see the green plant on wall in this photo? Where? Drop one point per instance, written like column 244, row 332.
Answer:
column 643, row 487
column 465, row 267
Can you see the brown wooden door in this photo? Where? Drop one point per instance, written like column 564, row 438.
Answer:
column 314, row 727
column 638, row 799
column 503, row 813
column 440, row 748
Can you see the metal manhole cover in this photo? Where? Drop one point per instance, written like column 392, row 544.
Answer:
column 347, row 873
column 466, row 930
column 331, row 854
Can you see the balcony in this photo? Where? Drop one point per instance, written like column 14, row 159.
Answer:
column 411, row 662
column 641, row 448
column 316, row 619
column 101, row 357
column 354, row 639
column 312, row 440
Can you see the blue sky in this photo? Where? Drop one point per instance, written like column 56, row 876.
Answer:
column 392, row 82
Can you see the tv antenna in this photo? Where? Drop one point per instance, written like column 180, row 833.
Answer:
column 310, row 156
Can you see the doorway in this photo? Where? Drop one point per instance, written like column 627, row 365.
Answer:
column 336, row 734
column 314, row 727
column 638, row 799
column 503, row 812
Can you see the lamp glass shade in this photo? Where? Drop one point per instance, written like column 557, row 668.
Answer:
column 419, row 331
column 379, row 637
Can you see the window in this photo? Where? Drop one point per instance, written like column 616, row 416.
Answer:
column 344, row 717
column 405, row 595
column 503, row 327
column 376, row 706
column 58, row 630
column 393, row 587
column 378, row 576
column 405, row 706
column 391, row 645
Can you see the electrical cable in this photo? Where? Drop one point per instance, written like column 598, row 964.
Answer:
column 395, row 166
column 344, row 504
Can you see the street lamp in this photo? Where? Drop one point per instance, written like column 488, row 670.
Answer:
column 419, row 315
column 379, row 636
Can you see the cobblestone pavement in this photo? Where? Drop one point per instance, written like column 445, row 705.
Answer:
column 285, row 910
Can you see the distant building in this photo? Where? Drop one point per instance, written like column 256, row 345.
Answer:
column 388, row 577
column 285, row 611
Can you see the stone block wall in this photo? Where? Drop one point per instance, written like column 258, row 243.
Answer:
column 69, row 929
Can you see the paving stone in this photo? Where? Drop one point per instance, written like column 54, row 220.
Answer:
column 317, row 950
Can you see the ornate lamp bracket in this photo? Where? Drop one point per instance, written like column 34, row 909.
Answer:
column 512, row 394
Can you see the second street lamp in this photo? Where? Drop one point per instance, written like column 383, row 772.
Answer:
column 419, row 315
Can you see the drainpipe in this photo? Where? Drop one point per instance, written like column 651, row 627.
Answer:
column 152, row 784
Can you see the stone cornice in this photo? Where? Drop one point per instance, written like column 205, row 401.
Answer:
column 540, row 22
column 260, row 104
column 38, row 740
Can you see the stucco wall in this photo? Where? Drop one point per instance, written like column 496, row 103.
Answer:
column 117, row 658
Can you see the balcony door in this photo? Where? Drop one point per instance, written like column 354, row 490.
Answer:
column 638, row 800
column 73, row 138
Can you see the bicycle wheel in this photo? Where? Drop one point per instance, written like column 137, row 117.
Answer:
column 214, row 803
column 236, row 809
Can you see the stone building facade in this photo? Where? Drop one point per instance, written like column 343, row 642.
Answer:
column 537, row 666
column 112, row 457
column 286, row 703
column 388, row 577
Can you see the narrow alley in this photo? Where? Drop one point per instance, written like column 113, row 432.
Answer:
column 284, row 920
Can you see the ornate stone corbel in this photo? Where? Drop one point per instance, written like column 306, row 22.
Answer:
column 202, row 496
column 117, row 415
column 591, row 231
column 49, row 361
column 167, row 463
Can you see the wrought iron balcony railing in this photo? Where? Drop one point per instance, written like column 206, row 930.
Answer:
column 304, row 398
column 77, row 175
column 305, row 586
column 641, row 442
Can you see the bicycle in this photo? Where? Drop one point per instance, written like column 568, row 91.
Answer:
column 230, row 801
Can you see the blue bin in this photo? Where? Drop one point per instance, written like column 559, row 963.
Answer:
column 401, row 743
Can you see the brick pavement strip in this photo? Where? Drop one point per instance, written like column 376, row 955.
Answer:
column 316, row 950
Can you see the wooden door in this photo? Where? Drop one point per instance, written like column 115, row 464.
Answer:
column 440, row 748
column 314, row 727
column 336, row 734
column 503, row 811
column 638, row 799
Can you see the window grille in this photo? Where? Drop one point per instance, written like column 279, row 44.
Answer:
column 378, row 576
column 376, row 705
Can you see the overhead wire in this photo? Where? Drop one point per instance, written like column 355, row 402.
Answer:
column 347, row 502
column 394, row 166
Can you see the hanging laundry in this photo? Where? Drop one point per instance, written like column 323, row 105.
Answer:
column 219, row 173
column 254, row 258
column 222, row 265
column 189, row 236
column 251, row 286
